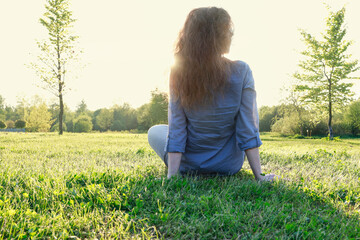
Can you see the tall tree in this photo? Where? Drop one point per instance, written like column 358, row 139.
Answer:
column 57, row 51
column 326, row 64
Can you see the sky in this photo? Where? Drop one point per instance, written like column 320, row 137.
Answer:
column 128, row 45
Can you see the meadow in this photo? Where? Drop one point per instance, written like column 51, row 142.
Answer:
column 113, row 186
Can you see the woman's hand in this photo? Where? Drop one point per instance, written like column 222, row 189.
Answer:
column 268, row 178
column 173, row 164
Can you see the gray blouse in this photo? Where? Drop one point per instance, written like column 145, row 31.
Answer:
column 213, row 138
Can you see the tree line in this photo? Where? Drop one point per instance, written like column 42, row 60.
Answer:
column 289, row 119
column 38, row 116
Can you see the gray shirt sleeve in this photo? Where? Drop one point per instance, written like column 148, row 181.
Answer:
column 177, row 135
column 247, row 123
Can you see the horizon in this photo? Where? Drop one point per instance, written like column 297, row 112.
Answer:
column 125, row 62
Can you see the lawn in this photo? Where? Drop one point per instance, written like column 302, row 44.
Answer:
column 112, row 185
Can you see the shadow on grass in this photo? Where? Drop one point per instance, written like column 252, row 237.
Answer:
column 239, row 207
column 121, row 205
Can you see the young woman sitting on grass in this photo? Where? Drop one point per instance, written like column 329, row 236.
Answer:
column 213, row 118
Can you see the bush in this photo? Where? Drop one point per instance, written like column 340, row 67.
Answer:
column 289, row 125
column 10, row 124
column 20, row 124
column 83, row 124
column 2, row 124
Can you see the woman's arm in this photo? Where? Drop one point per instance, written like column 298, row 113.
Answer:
column 173, row 163
column 253, row 157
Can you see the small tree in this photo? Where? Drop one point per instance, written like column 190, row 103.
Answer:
column 57, row 52
column 39, row 118
column 2, row 124
column 325, row 67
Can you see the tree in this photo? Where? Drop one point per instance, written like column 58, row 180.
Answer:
column 352, row 117
column 158, row 108
column 325, row 66
column 2, row 124
column 57, row 52
column 105, row 119
column 2, row 108
column 267, row 117
column 124, row 118
column 83, row 124
column 68, row 117
column 20, row 124
column 39, row 118
column 154, row 112
column 143, row 117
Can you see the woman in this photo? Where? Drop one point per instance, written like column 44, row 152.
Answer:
column 213, row 118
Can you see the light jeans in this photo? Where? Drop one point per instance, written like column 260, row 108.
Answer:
column 157, row 137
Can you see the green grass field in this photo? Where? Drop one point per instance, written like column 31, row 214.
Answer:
column 112, row 185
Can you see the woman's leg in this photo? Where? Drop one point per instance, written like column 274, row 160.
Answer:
column 157, row 137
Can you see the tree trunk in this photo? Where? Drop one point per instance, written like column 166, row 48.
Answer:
column 331, row 135
column 61, row 113
column 61, row 103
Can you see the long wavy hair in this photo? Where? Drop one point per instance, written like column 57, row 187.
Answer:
column 200, row 70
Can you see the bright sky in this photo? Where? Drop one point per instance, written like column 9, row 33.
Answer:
column 128, row 45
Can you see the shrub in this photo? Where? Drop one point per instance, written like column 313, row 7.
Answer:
column 83, row 124
column 289, row 125
column 2, row 124
column 10, row 124
column 20, row 124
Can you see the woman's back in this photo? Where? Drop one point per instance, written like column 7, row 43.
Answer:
column 214, row 137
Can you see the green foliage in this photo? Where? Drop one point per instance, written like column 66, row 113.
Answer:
column 114, row 186
column 124, row 118
column 82, row 109
column 154, row 112
column 158, row 108
column 143, row 117
column 83, row 124
column 55, row 127
column 267, row 117
column 325, row 67
column 68, row 117
column 39, row 118
column 105, row 119
column 352, row 117
column 20, row 123
column 2, row 124
column 287, row 125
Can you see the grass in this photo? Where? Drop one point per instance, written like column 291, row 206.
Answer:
column 106, row 186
